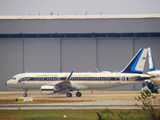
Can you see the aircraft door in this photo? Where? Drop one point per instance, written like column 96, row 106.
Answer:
column 117, row 77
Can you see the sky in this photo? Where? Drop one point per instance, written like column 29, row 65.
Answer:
column 79, row 7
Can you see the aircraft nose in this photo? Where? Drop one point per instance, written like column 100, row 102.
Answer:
column 6, row 83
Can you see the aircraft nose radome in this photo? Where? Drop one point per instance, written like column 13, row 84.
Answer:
column 6, row 83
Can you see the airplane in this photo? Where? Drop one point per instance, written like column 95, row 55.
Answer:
column 155, row 74
column 51, row 83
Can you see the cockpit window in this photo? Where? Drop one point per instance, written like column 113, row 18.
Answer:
column 14, row 78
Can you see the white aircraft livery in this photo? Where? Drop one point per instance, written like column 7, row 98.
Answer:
column 51, row 83
column 155, row 74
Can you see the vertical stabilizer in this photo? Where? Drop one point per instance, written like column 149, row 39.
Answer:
column 150, row 60
column 136, row 65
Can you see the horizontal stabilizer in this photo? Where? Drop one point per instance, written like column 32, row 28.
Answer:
column 134, row 78
column 154, row 76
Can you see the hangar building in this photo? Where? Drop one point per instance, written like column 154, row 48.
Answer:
column 78, row 43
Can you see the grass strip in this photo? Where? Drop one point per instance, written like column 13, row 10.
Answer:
column 61, row 114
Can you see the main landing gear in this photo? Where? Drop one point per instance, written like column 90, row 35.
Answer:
column 78, row 94
column 69, row 94
column 25, row 93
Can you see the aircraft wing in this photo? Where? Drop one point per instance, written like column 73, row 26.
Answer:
column 154, row 76
column 139, row 77
column 66, row 84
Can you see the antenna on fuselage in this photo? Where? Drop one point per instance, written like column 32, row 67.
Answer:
column 116, row 70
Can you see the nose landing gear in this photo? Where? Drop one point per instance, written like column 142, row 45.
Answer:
column 25, row 93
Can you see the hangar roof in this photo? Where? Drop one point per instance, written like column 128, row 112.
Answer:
column 75, row 25
column 82, row 16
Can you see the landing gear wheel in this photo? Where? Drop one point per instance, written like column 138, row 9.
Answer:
column 69, row 94
column 24, row 95
column 78, row 94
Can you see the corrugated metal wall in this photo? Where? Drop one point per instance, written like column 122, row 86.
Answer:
column 77, row 54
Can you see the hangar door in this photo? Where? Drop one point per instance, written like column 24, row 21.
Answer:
column 83, row 55
column 114, row 53
column 41, row 55
column 78, row 55
column 11, row 61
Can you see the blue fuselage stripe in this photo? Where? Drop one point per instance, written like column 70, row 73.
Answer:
column 76, row 78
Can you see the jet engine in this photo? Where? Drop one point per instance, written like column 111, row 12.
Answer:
column 48, row 89
column 148, row 85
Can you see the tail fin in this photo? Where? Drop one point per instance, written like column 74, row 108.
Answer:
column 150, row 60
column 136, row 65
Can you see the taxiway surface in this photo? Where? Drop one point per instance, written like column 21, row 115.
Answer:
column 89, row 100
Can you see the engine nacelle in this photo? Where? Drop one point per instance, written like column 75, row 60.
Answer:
column 48, row 89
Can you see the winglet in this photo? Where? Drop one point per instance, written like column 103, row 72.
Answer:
column 70, row 76
column 150, row 60
column 136, row 65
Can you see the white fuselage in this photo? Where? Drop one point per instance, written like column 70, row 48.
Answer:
column 79, row 80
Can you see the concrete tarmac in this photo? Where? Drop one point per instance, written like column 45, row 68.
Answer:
column 89, row 100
